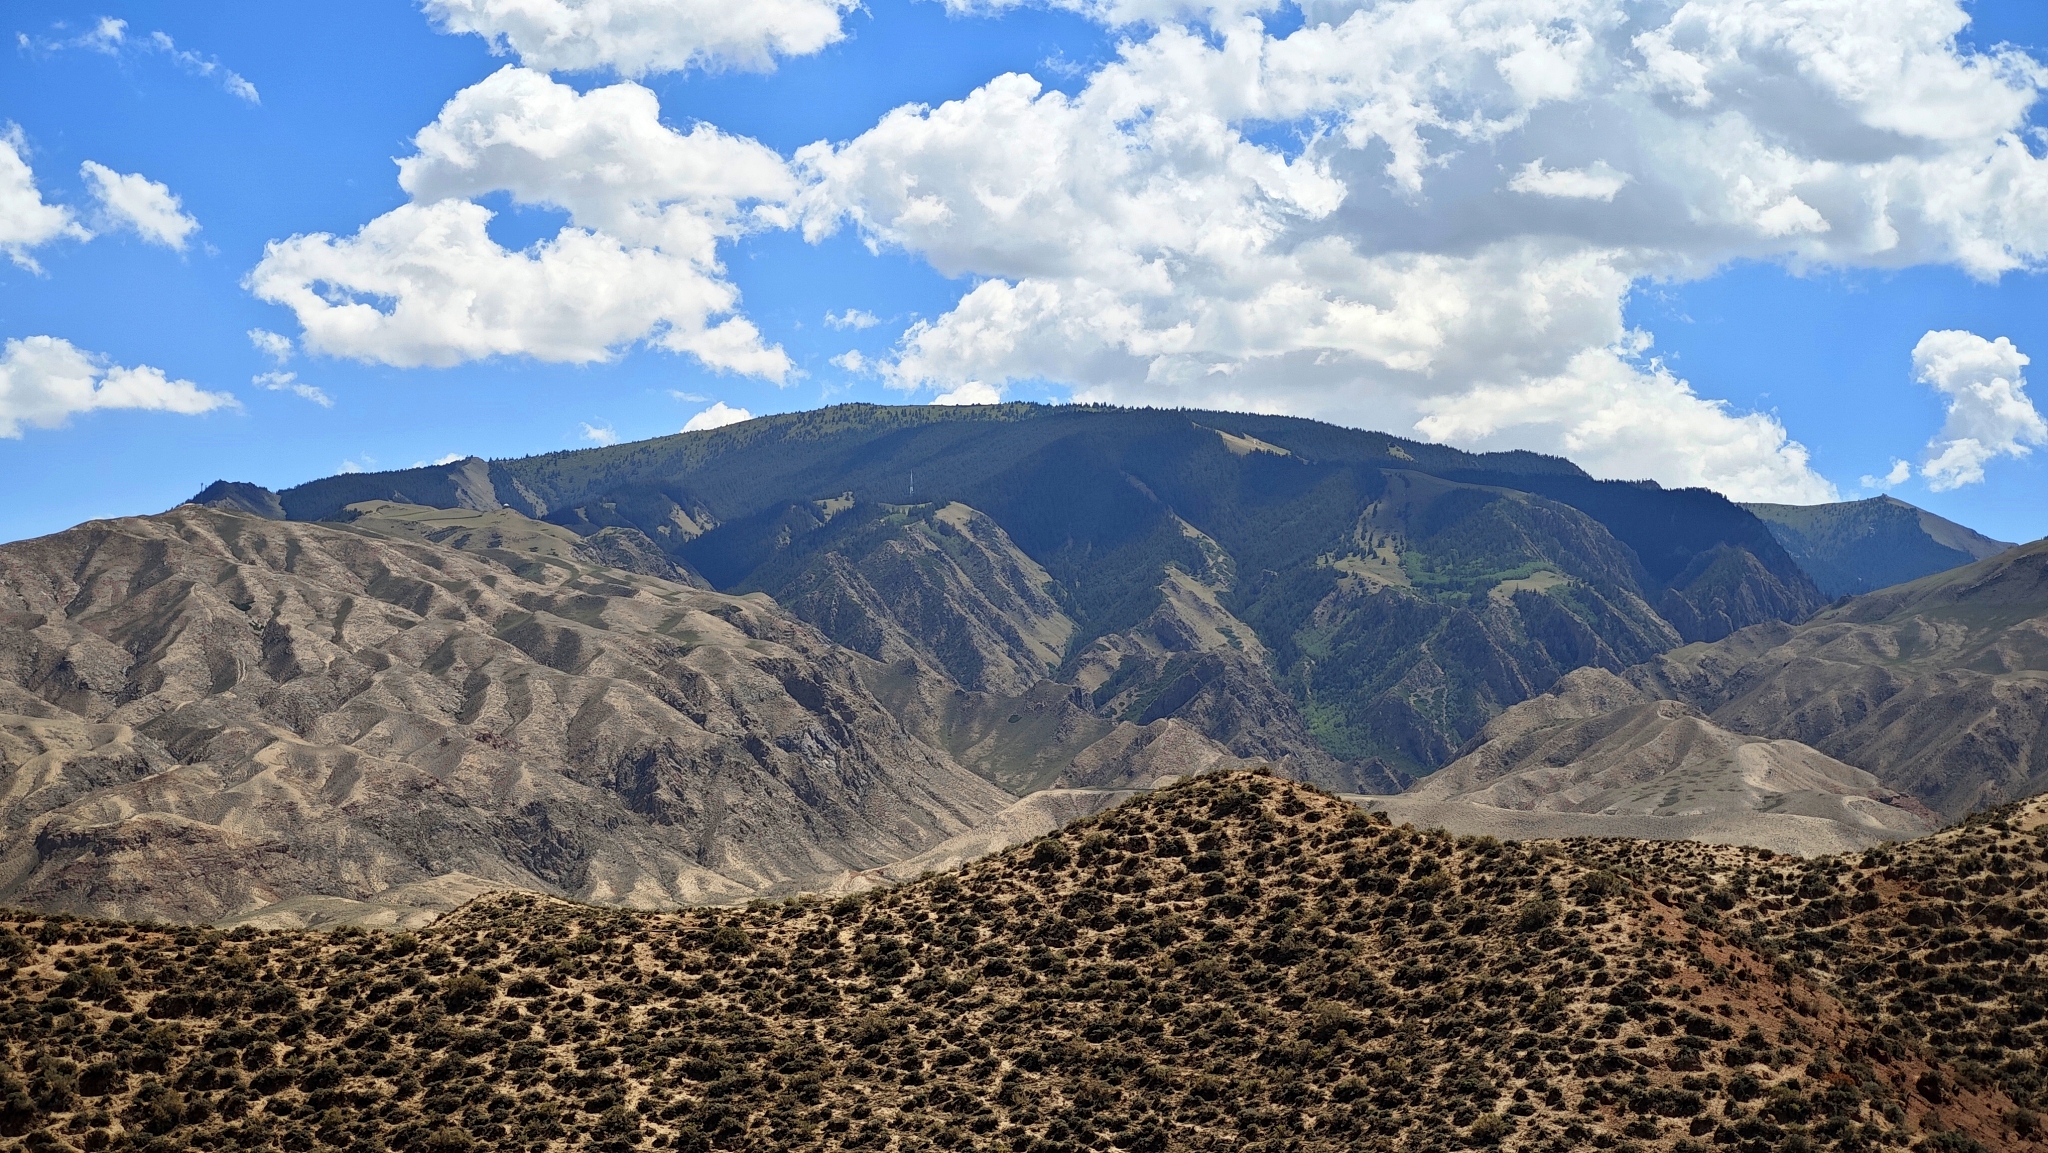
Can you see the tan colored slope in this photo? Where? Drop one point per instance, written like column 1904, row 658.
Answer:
column 517, row 541
column 1230, row 964
column 209, row 714
column 1939, row 688
column 1597, row 757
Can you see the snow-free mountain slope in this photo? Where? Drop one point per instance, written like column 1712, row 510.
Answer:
column 207, row 713
column 1597, row 756
column 1354, row 604
column 1939, row 687
column 1862, row 546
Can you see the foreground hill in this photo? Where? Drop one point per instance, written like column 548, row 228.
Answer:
column 1865, row 545
column 1352, row 605
column 1232, row 962
column 205, row 716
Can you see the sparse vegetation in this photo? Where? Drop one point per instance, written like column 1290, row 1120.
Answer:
column 1237, row 962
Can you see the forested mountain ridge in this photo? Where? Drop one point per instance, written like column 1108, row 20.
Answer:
column 1356, row 602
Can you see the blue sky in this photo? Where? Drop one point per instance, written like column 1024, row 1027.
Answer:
column 1803, row 332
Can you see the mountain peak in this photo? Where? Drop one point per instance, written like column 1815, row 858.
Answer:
column 1860, row 546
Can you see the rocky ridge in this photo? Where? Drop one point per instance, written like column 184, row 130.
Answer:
column 205, row 715
column 1861, row 546
column 1597, row 756
column 1938, row 688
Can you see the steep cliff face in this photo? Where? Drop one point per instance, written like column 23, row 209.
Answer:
column 207, row 713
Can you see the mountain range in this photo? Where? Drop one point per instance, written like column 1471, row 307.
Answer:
column 829, row 650
column 1396, row 594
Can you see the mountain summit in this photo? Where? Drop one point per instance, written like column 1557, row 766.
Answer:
column 1865, row 545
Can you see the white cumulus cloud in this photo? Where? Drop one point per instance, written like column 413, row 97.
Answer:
column 1124, row 12
column 1900, row 472
column 425, row 284
column 1135, row 241
column 637, row 37
column 44, row 380
column 600, row 434
column 276, row 346
column 717, row 416
column 132, row 200
column 1989, row 412
column 973, row 392
column 26, row 221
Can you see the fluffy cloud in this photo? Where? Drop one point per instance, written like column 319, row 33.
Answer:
column 425, row 284
column 132, row 200
column 1596, row 181
column 26, row 222
column 600, row 434
column 717, row 416
column 1622, row 418
column 637, row 37
column 1476, row 188
column 1989, row 414
column 973, row 392
column 1901, row 472
column 44, row 380
column 1125, row 12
